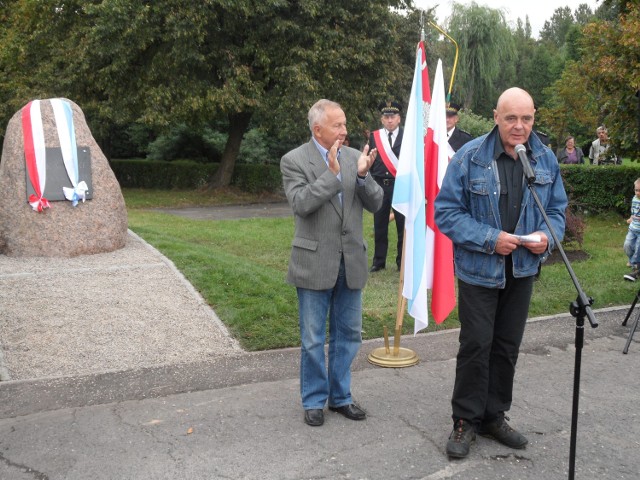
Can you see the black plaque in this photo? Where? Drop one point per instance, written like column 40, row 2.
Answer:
column 57, row 175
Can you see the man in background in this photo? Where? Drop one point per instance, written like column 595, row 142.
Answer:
column 600, row 152
column 457, row 137
column 387, row 141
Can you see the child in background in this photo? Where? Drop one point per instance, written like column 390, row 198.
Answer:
column 632, row 241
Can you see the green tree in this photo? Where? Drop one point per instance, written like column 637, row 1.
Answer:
column 601, row 87
column 37, row 40
column 583, row 14
column 486, row 47
column 169, row 62
column 555, row 30
column 614, row 54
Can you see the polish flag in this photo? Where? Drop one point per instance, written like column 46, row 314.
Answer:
column 440, row 276
column 428, row 254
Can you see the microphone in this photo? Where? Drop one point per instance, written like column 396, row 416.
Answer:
column 526, row 166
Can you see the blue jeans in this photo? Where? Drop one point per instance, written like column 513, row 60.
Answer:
column 632, row 248
column 344, row 307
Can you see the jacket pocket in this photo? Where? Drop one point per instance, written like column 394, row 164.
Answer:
column 543, row 177
column 305, row 243
column 480, row 197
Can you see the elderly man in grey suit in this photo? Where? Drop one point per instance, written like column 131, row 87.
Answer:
column 328, row 185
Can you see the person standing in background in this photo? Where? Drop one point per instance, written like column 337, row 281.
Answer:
column 457, row 137
column 387, row 141
column 631, row 244
column 570, row 155
column 600, row 151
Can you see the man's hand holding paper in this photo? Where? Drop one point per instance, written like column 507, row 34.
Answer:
column 536, row 242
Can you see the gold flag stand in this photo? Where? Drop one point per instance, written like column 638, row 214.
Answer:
column 397, row 357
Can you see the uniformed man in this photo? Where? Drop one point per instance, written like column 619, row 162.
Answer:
column 457, row 137
column 387, row 140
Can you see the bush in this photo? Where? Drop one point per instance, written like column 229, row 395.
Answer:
column 591, row 189
column 187, row 174
column 574, row 229
column 184, row 142
column 598, row 189
column 474, row 124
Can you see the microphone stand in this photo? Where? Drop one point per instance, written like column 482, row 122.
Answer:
column 579, row 308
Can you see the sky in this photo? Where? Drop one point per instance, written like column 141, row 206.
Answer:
column 539, row 11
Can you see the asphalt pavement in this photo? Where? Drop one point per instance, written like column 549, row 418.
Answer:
column 201, row 412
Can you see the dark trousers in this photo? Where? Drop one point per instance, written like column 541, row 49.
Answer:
column 492, row 324
column 381, row 226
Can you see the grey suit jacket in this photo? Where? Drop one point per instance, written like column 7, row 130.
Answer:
column 325, row 230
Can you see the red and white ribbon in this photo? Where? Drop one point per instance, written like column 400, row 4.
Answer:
column 386, row 153
column 34, row 151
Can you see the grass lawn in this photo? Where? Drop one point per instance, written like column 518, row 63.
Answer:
column 239, row 267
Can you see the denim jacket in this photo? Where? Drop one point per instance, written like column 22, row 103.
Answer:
column 467, row 211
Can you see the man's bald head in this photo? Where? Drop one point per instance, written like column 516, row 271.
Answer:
column 514, row 116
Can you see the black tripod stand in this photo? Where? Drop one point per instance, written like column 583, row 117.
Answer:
column 635, row 323
column 580, row 309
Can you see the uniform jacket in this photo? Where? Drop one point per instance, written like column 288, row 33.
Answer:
column 458, row 138
column 325, row 230
column 379, row 169
column 467, row 210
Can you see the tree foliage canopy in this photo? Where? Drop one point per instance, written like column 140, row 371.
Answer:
column 486, row 49
column 169, row 61
column 235, row 65
column 602, row 87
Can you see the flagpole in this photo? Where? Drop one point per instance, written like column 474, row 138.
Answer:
column 409, row 199
column 402, row 304
column 400, row 357
column 455, row 61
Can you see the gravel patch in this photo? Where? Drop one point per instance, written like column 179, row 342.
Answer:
column 122, row 310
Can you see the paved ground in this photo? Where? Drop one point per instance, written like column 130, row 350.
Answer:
column 144, row 402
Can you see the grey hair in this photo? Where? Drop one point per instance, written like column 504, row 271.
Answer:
column 318, row 111
column 601, row 128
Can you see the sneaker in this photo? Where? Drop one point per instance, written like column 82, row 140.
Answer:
column 460, row 440
column 501, row 432
column 633, row 276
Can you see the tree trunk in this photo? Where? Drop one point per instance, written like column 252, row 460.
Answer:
column 238, row 124
column 468, row 100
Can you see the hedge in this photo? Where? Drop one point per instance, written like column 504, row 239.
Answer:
column 596, row 189
column 187, row 174
column 590, row 188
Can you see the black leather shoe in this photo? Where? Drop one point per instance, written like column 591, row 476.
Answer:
column 501, row 432
column 460, row 440
column 314, row 417
column 376, row 268
column 351, row 411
